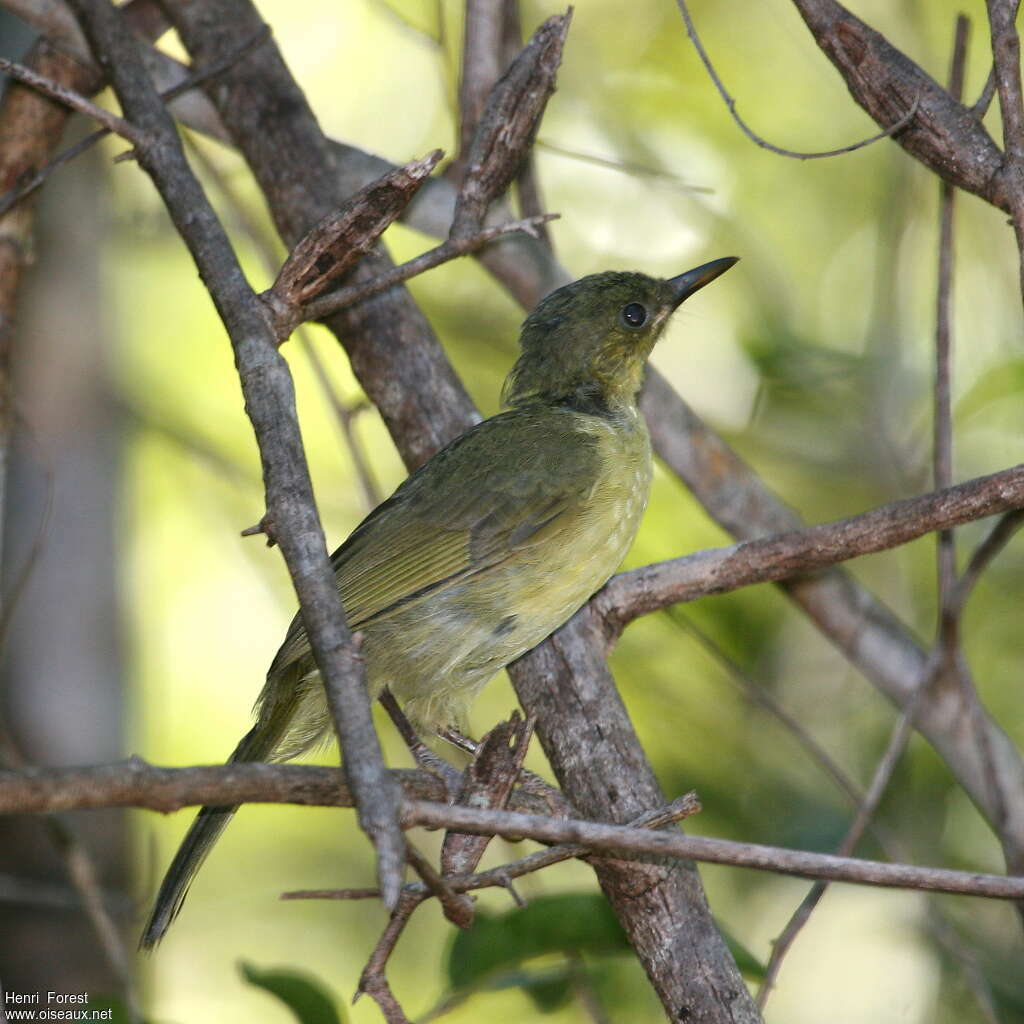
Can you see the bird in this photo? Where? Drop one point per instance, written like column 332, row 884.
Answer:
column 492, row 544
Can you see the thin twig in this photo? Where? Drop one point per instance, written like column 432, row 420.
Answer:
column 999, row 536
column 343, row 414
column 340, row 239
column 761, row 697
column 25, row 188
column 82, row 872
column 584, row 989
column 448, row 775
column 85, row 883
column 10, row 599
column 457, row 907
column 77, row 102
column 326, row 305
column 866, row 809
column 948, row 622
column 942, row 444
column 984, row 100
column 619, row 839
column 896, row 126
column 501, row 877
column 373, row 979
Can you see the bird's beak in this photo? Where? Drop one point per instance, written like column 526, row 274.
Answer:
column 686, row 284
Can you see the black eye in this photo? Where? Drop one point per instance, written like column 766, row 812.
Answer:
column 634, row 315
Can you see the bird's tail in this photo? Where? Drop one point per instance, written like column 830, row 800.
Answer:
column 284, row 705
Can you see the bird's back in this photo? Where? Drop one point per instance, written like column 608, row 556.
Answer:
column 474, row 561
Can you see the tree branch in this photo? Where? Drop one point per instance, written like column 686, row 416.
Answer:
column 404, row 372
column 76, row 101
column 945, row 136
column 758, row 140
column 502, row 876
column 800, row 552
column 134, row 783
column 327, row 305
column 623, row 839
column 859, row 625
column 508, row 124
column 270, row 403
column 1002, row 16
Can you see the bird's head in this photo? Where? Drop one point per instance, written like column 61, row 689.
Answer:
column 586, row 344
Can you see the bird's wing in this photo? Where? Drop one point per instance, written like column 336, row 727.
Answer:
column 510, row 483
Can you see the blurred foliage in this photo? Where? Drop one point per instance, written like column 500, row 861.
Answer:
column 570, row 924
column 813, row 358
column 299, row 991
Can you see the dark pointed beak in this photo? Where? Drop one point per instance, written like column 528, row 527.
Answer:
column 686, row 284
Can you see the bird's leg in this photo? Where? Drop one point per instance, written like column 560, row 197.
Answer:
column 451, row 777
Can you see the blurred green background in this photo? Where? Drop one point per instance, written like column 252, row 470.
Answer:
column 813, row 358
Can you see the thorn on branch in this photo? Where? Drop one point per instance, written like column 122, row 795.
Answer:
column 264, row 526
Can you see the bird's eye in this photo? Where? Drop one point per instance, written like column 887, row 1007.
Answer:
column 634, row 315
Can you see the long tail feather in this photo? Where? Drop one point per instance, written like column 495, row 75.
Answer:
column 258, row 744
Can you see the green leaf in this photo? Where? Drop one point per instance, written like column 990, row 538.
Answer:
column 300, row 992
column 562, row 923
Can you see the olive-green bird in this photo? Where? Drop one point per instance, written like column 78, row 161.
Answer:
column 493, row 543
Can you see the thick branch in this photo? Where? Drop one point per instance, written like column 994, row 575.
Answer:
column 134, row 783
column 481, row 65
column 601, row 766
column 270, row 403
column 387, row 339
column 945, row 136
column 800, row 552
